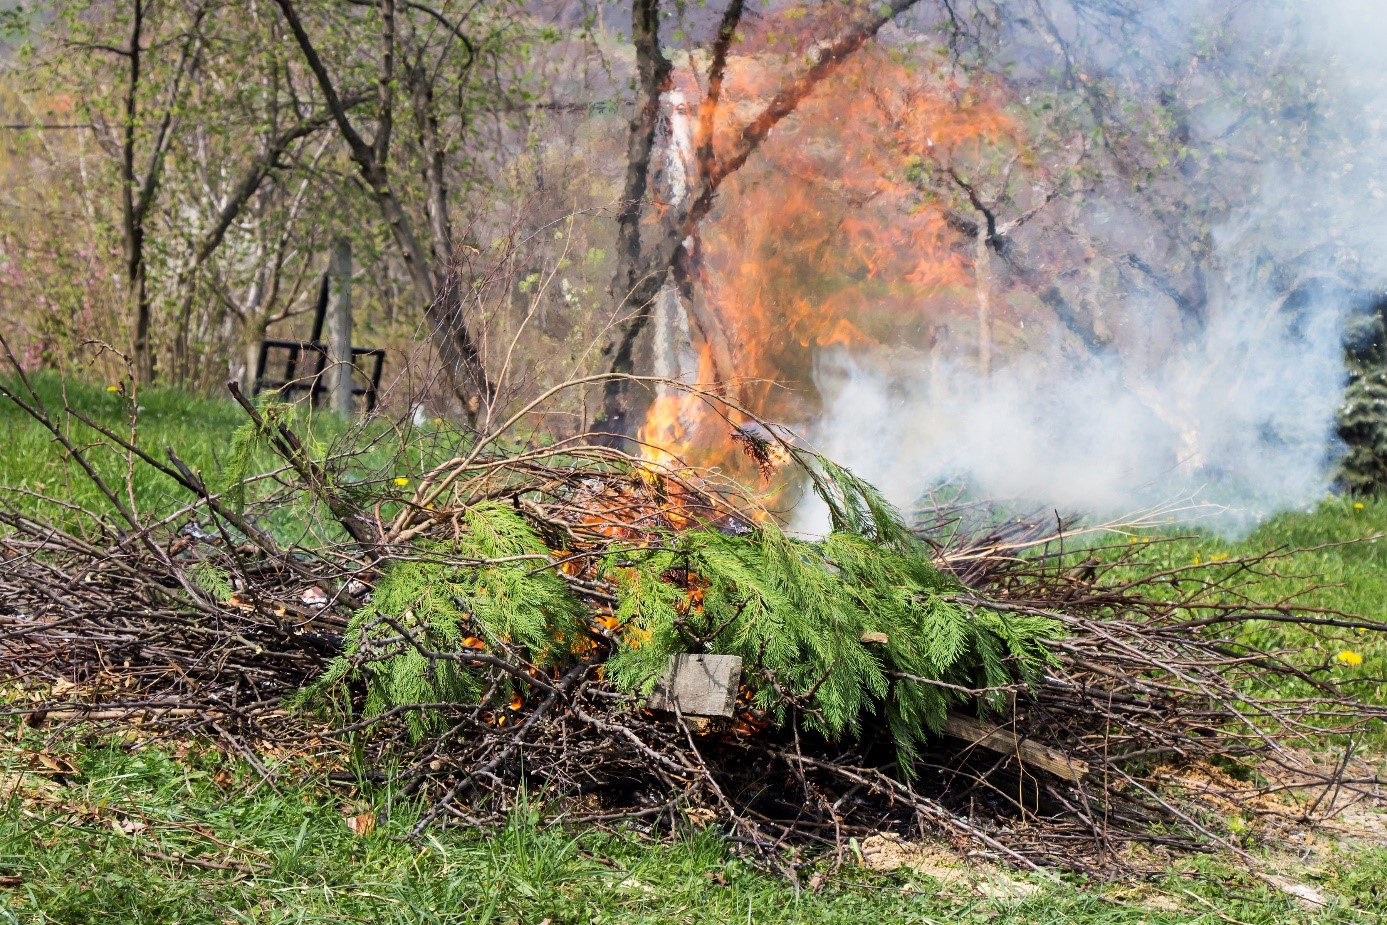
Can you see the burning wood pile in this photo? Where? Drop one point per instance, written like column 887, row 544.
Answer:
column 517, row 623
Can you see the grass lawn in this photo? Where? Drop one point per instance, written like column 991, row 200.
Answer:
column 1337, row 561
column 100, row 830
column 201, row 431
column 97, row 848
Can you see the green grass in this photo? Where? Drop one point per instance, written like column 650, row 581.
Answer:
column 88, row 850
column 33, row 460
column 1351, row 575
column 1338, row 563
column 34, row 463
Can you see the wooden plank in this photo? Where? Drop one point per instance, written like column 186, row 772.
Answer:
column 1003, row 741
column 339, row 327
column 698, row 685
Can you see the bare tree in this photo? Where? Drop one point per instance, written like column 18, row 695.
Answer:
column 645, row 262
column 140, row 181
column 424, row 71
column 175, row 113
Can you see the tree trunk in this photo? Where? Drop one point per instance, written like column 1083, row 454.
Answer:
column 137, row 298
column 435, row 290
column 136, row 290
column 256, row 328
column 643, row 268
column 617, row 420
column 982, row 278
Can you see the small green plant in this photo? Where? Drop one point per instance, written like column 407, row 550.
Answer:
column 248, row 439
column 215, row 581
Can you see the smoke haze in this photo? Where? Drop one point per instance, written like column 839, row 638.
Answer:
column 1240, row 412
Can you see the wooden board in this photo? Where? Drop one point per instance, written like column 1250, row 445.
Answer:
column 1001, row 740
column 698, row 685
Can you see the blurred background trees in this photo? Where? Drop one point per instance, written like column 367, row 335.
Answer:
column 923, row 182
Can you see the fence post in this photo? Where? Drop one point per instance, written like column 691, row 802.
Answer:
column 340, row 329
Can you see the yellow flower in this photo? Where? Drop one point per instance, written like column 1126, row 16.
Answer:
column 1220, row 557
column 401, row 481
column 1349, row 657
column 1358, row 505
column 116, row 388
column 438, row 420
column 1197, row 560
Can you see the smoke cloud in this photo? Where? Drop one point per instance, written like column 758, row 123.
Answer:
column 1238, row 414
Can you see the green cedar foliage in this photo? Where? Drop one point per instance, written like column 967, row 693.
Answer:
column 796, row 611
column 434, row 602
column 247, row 440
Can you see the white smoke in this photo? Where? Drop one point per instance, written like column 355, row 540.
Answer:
column 1243, row 421
column 1242, row 417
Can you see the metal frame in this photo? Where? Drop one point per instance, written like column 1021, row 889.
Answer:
column 315, row 352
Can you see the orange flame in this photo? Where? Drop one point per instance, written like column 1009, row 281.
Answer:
column 830, row 236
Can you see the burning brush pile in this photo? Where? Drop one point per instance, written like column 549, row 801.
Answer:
column 635, row 644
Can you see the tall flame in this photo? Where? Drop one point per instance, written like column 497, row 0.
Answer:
column 829, row 236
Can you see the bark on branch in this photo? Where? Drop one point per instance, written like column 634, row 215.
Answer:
column 643, row 268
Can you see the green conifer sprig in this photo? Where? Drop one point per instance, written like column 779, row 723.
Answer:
column 854, row 629
column 804, row 616
column 247, row 440
column 452, row 591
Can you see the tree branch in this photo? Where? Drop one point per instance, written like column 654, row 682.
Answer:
column 361, row 151
column 654, row 69
column 727, row 30
column 679, row 226
column 191, row 49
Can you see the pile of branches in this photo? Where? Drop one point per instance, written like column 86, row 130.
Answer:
column 1029, row 695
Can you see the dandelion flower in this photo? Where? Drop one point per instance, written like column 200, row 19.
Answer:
column 401, row 481
column 1349, row 657
column 1358, row 505
column 1197, row 560
column 116, row 388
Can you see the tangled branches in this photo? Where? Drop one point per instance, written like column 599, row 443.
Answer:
column 1030, row 696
